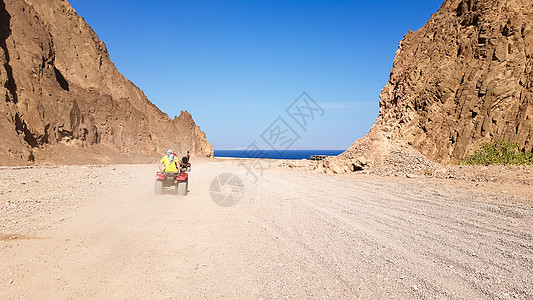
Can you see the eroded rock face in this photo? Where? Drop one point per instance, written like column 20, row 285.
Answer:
column 61, row 91
column 463, row 79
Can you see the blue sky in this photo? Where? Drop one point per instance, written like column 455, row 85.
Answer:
column 237, row 65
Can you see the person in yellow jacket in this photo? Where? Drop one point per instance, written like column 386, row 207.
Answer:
column 169, row 162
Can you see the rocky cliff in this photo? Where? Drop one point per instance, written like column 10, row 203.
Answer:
column 64, row 100
column 463, row 79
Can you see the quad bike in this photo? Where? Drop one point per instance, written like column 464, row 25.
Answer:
column 171, row 182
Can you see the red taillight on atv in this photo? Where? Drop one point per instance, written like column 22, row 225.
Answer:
column 182, row 177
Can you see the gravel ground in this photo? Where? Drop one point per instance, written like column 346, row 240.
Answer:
column 33, row 194
column 99, row 232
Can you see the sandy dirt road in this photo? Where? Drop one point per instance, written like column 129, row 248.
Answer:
column 100, row 232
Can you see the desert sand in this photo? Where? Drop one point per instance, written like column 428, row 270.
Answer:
column 100, row 232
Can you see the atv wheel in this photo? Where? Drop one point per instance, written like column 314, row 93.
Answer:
column 158, row 187
column 183, row 188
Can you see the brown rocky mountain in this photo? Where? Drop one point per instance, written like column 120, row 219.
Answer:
column 463, row 79
column 64, row 100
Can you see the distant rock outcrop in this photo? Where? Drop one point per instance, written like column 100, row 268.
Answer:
column 463, row 79
column 64, row 100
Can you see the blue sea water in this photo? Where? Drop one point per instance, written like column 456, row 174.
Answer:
column 287, row 154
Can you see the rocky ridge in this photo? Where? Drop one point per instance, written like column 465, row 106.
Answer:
column 463, row 79
column 65, row 101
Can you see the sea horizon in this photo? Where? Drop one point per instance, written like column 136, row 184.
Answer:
column 273, row 154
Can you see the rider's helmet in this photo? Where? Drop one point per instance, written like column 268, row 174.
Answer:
column 170, row 155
